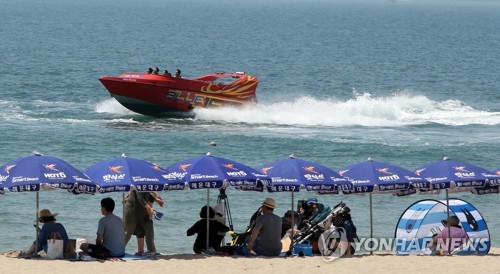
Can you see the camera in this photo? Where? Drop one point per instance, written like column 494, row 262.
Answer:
column 302, row 204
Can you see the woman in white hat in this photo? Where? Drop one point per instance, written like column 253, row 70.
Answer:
column 50, row 229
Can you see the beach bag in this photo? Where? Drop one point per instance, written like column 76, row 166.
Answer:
column 55, row 246
column 70, row 252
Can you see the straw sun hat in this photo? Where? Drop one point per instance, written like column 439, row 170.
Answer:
column 269, row 202
column 46, row 213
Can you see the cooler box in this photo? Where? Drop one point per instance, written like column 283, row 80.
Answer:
column 305, row 248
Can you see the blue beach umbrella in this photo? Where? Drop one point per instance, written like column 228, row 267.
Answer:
column 493, row 186
column 208, row 172
column 378, row 177
column 212, row 172
column 293, row 174
column 457, row 176
column 122, row 173
column 37, row 172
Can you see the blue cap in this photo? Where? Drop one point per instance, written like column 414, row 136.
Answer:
column 312, row 201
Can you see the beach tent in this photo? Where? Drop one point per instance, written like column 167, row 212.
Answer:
column 422, row 220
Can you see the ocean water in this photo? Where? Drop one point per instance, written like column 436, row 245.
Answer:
column 403, row 82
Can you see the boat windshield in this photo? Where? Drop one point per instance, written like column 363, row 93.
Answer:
column 225, row 80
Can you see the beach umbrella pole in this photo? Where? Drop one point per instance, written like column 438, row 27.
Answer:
column 290, row 250
column 447, row 224
column 36, row 214
column 371, row 222
column 208, row 218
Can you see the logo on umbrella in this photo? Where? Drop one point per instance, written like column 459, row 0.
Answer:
column 184, row 167
column 463, row 173
column 310, row 169
column 265, row 169
column 51, row 167
column 384, row 170
column 460, row 168
column 156, row 167
column 418, row 171
column 115, row 169
column 230, row 166
column 8, row 168
column 341, row 172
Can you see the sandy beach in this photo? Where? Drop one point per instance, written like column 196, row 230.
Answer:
column 187, row 263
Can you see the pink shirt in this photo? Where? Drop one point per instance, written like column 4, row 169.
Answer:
column 458, row 238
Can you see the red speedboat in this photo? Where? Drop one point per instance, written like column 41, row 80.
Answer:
column 161, row 95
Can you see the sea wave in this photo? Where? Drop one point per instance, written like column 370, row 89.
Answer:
column 364, row 109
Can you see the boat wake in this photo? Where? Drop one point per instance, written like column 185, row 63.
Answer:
column 361, row 110
column 112, row 106
column 366, row 110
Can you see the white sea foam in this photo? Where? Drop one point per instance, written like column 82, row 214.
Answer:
column 362, row 110
column 111, row 106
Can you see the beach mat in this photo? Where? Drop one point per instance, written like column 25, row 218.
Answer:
column 132, row 257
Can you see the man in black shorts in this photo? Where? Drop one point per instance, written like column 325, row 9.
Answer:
column 110, row 241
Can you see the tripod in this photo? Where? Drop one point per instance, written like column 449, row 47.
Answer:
column 222, row 198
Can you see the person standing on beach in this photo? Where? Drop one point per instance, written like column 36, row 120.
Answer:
column 266, row 234
column 110, row 241
column 139, row 219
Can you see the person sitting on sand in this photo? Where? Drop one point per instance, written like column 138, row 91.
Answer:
column 286, row 226
column 266, row 234
column 200, row 228
column 49, row 227
column 306, row 211
column 350, row 231
column 110, row 241
column 457, row 235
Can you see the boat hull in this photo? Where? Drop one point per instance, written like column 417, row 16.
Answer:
column 157, row 95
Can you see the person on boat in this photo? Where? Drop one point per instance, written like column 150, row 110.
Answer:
column 156, row 71
column 150, row 71
column 178, row 73
column 166, row 73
